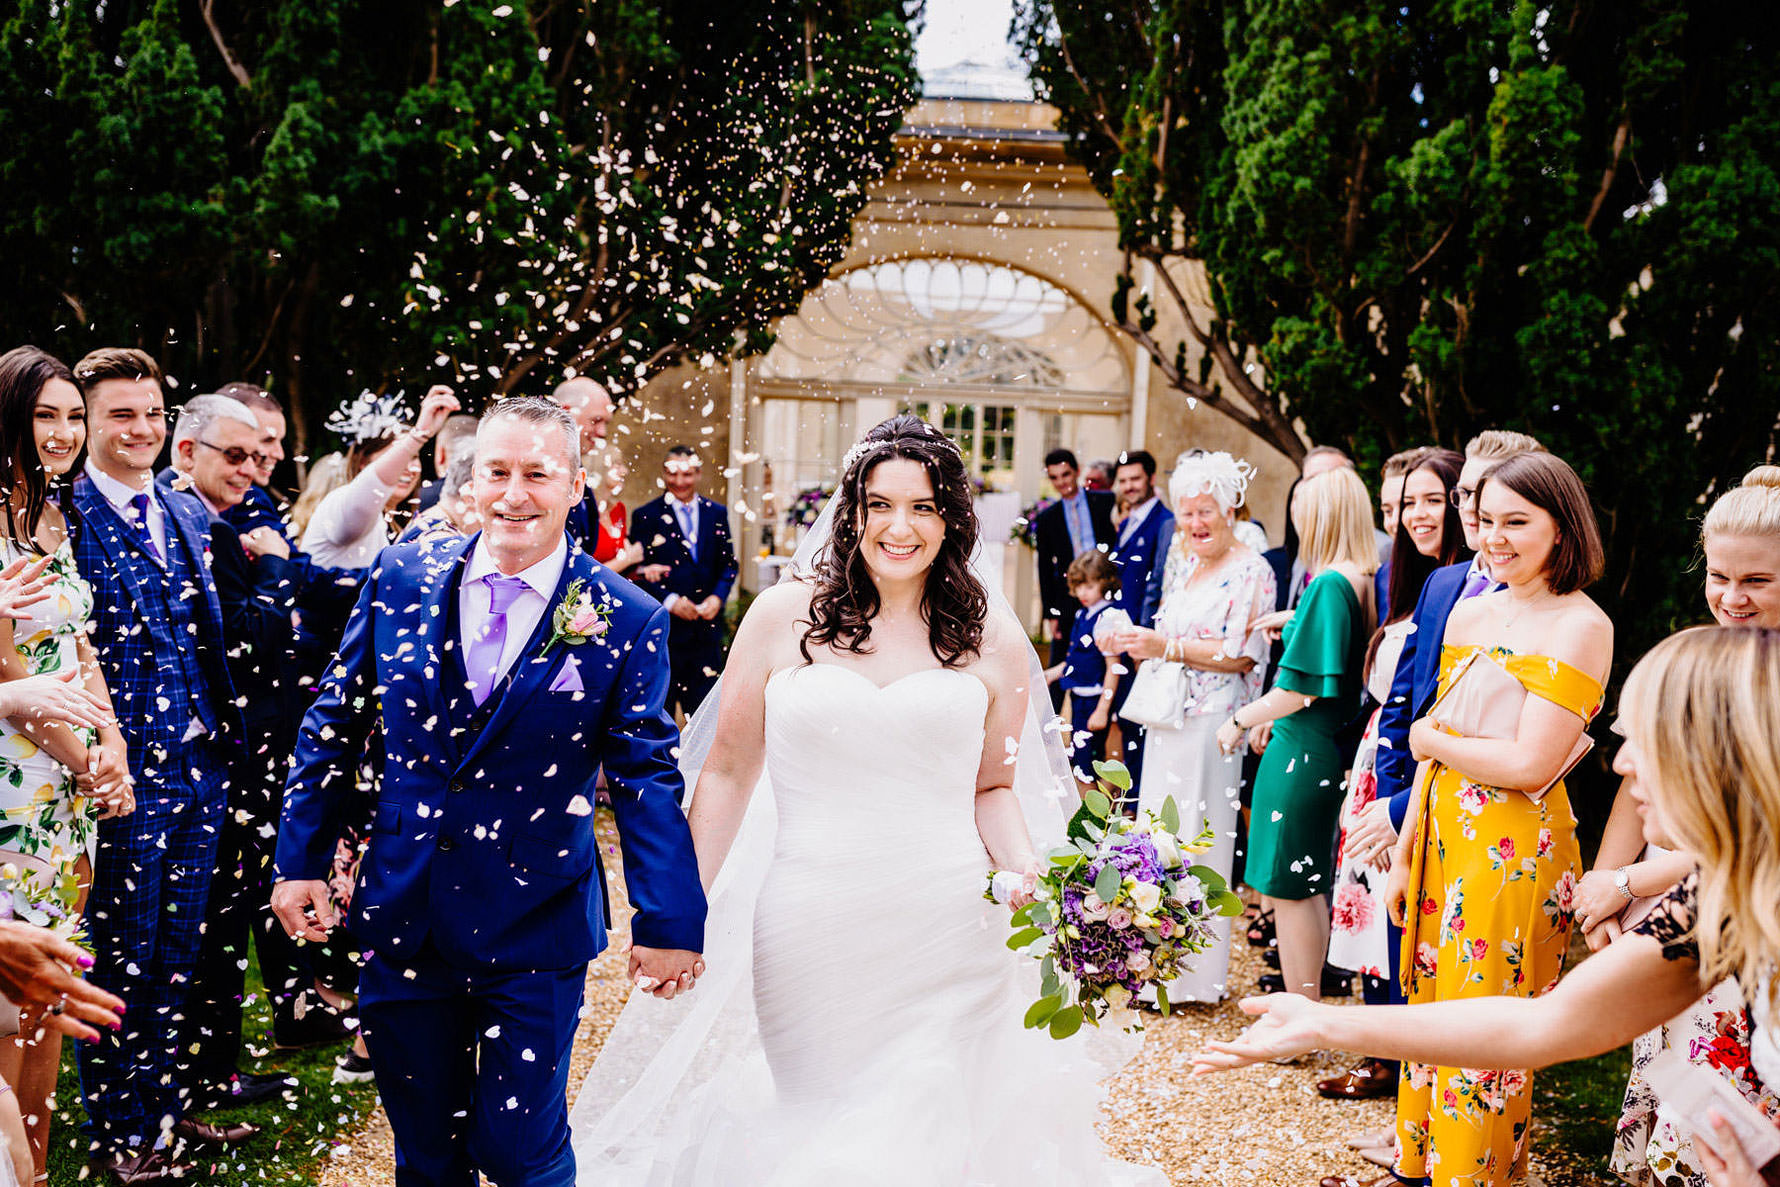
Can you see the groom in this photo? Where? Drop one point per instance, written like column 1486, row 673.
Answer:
column 481, row 896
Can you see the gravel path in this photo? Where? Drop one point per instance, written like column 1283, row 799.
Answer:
column 1264, row 1125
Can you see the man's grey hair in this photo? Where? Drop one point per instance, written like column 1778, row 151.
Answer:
column 200, row 412
column 458, row 473
column 542, row 413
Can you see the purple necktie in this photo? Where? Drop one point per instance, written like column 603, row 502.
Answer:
column 139, row 505
column 482, row 662
column 1475, row 584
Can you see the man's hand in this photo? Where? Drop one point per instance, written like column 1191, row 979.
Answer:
column 683, row 608
column 665, row 971
column 710, row 608
column 107, row 779
column 654, row 573
column 293, row 902
column 37, row 970
column 55, row 696
column 265, row 541
column 439, row 404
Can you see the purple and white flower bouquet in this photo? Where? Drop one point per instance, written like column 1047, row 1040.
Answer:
column 1117, row 907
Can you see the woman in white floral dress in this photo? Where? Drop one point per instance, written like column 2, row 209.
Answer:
column 48, row 814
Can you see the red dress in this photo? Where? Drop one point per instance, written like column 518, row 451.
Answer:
column 609, row 533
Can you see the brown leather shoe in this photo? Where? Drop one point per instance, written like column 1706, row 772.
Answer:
column 193, row 1130
column 129, row 1167
column 1370, row 1079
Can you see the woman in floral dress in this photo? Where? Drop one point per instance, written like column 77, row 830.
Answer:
column 1486, row 868
column 48, row 815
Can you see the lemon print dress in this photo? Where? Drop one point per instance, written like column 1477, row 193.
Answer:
column 1491, row 894
column 42, row 814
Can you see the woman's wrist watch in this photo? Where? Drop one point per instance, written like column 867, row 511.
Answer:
column 1622, row 881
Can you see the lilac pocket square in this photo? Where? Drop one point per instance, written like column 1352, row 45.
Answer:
column 569, row 679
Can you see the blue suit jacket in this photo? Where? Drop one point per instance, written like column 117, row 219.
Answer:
column 655, row 526
column 1141, row 560
column 1413, row 687
column 131, row 629
column 484, row 842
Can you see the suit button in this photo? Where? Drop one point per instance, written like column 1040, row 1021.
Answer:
column 446, row 845
column 456, row 785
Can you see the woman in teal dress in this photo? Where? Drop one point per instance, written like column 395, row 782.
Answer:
column 1299, row 785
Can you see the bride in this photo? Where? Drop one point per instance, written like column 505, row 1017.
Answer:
column 861, row 1021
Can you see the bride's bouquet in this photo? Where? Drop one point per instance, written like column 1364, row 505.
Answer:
column 1117, row 908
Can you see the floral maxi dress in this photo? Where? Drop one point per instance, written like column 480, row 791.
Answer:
column 42, row 815
column 1493, row 886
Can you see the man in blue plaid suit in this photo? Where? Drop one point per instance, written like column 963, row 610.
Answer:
column 157, row 628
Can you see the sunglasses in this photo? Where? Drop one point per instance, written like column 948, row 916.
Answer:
column 235, row 455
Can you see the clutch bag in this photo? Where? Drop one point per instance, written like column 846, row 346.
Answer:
column 1483, row 700
column 1158, row 696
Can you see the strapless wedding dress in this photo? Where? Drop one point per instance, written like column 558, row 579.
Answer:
column 890, row 1047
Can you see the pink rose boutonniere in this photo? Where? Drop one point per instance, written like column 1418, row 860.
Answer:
column 577, row 619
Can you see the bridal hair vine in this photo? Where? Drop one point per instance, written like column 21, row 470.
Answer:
column 866, row 445
column 369, row 417
column 1199, row 472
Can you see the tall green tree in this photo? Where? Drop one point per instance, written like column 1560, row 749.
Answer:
column 336, row 194
column 1426, row 217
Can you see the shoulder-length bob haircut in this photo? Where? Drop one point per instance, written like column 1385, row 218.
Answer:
column 1333, row 514
column 1547, row 481
column 1703, row 708
column 845, row 599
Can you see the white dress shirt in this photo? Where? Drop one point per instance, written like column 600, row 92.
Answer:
column 522, row 615
column 119, row 494
column 1135, row 519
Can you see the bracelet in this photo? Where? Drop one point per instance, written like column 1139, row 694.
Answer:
column 1169, row 643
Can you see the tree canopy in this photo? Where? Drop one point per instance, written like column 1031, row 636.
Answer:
column 327, row 195
column 1420, row 219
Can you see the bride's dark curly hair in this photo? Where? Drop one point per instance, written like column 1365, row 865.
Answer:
column 845, row 599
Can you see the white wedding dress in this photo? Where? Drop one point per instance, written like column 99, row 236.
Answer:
column 886, row 1043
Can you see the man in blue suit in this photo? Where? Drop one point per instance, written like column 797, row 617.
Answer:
column 504, row 669
column 1140, row 551
column 158, row 631
column 1079, row 520
column 689, row 563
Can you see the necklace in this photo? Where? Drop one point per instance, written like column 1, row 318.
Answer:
column 1521, row 607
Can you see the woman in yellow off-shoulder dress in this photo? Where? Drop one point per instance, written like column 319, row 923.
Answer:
column 1486, row 869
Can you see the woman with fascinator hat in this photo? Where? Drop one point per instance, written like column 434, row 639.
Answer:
column 872, row 750
column 1213, row 587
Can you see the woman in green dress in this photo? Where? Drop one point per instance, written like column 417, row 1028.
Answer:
column 1316, row 691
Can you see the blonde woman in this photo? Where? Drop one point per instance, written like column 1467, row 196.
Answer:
column 1741, row 541
column 1701, row 760
column 1298, row 786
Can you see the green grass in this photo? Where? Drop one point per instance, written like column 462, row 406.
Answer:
column 1575, row 1110
column 296, row 1135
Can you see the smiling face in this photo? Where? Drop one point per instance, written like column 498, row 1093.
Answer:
column 523, row 486
column 679, row 477
column 1516, row 535
column 1065, row 479
column 1132, row 485
column 206, row 459
column 1390, row 502
column 126, row 427
column 1743, row 579
column 271, row 442
column 901, row 528
column 59, row 426
column 1209, row 529
column 1465, row 495
column 1424, row 509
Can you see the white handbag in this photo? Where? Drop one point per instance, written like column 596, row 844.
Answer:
column 1158, row 697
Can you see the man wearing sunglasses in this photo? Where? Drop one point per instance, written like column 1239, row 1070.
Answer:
column 217, row 450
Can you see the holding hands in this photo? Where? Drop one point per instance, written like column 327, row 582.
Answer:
column 304, row 908
column 665, row 972
column 1371, row 837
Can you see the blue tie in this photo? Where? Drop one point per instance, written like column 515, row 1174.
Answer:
column 139, row 521
column 1075, row 513
column 684, row 511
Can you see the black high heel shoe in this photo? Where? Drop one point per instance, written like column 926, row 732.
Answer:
column 1260, row 931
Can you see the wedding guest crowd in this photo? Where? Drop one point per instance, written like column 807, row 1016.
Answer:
column 165, row 612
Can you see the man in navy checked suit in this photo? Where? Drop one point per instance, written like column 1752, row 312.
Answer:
column 157, row 628
column 689, row 564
